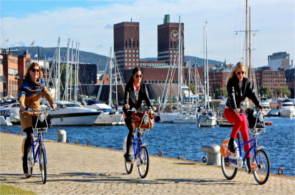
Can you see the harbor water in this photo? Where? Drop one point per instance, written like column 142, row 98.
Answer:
column 185, row 141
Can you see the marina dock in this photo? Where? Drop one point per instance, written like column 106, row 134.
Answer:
column 80, row 169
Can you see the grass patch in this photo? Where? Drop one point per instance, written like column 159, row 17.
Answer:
column 6, row 189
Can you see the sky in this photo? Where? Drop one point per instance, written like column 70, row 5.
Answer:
column 90, row 22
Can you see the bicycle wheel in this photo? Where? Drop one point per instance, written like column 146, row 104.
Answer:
column 30, row 162
column 43, row 165
column 143, row 166
column 128, row 167
column 261, row 173
column 228, row 171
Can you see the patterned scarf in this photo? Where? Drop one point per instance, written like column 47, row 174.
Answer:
column 31, row 88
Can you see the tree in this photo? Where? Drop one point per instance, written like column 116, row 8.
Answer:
column 282, row 91
column 192, row 88
column 264, row 91
column 219, row 93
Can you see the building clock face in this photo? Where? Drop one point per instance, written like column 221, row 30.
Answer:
column 174, row 35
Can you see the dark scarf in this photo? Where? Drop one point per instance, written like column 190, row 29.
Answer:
column 31, row 88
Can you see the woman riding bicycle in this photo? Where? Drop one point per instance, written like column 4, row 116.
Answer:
column 135, row 93
column 238, row 88
column 30, row 92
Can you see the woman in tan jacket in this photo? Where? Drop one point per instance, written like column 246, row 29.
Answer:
column 31, row 90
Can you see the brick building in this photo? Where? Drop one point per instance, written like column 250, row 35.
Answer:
column 1, row 77
column 290, row 79
column 14, row 70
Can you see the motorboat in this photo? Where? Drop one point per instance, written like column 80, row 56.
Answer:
column 13, row 108
column 185, row 118
column 266, row 106
column 286, row 108
column 69, row 113
column 107, row 115
column 5, row 117
column 207, row 118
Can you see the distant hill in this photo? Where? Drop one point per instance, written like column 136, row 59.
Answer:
column 194, row 60
column 48, row 53
column 93, row 58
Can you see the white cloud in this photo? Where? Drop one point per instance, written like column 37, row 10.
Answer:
column 92, row 26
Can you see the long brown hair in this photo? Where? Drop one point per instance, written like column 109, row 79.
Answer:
column 31, row 67
column 233, row 71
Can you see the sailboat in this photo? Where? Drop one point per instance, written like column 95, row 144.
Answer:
column 107, row 116
column 178, row 116
column 207, row 118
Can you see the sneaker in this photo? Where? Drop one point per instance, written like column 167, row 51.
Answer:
column 127, row 157
column 27, row 175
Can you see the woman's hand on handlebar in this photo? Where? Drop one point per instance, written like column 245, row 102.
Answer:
column 237, row 110
column 127, row 106
column 22, row 108
column 53, row 106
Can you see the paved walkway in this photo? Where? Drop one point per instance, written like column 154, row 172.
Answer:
column 76, row 169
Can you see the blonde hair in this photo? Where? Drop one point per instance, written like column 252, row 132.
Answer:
column 31, row 67
column 233, row 72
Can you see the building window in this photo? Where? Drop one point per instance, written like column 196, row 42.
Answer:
column 125, row 43
column 137, row 44
column 171, row 44
column 133, row 45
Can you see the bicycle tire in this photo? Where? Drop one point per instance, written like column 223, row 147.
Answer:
column 29, row 163
column 43, row 167
column 263, row 177
column 228, row 172
column 128, row 167
column 143, row 166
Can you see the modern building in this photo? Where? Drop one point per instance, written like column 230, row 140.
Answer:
column 290, row 79
column 279, row 60
column 87, row 73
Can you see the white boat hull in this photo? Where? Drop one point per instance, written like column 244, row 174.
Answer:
column 4, row 122
column 185, row 121
column 287, row 112
column 68, row 120
column 109, row 119
column 205, row 121
column 168, row 117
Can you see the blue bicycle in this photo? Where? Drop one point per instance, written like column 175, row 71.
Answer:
column 138, row 151
column 260, row 165
column 40, row 126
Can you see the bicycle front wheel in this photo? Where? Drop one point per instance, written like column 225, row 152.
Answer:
column 261, row 167
column 143, row 166
column 229, row 172
column 43, row 165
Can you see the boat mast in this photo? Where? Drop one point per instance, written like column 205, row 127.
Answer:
column 205, row 75
column 58, row 71
column 189, row 82
column 67, row 72
column 246, row 34
column 250, row 44
column 71, row 69
column 207, row 69
column 75, row 90
column 179, row 69
column 110, row 95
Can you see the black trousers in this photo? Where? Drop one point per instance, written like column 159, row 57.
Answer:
column 28, row 143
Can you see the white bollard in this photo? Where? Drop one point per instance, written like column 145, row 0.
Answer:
column 213, row 154
column 62, row 135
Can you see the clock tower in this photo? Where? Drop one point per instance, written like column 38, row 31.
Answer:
column 168, row 40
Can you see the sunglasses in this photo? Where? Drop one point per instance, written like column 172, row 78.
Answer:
column 35, row 70
column 138, row 75
column 243, row 72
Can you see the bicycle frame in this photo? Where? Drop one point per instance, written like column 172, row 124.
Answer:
column 137, row 143
column 38, row 141
column 241, row 145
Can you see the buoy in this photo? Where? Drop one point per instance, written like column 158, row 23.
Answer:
column 18, row 132
column 88, row 143
column 204, row 159
column 68, row 140
column 268, row 123
column 76, row 142
column 4, row 131
column 160, row 153
column 281, row 171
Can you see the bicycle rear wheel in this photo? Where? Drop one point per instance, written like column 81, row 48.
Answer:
column 261, row 173
column 30, row 162
column 143, row 166
column 228, row 171
column 43, row 165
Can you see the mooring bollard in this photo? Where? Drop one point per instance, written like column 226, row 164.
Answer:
column 62, row 135
column 213, row 154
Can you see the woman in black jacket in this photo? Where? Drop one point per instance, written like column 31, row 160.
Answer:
column 238, row 89
column 135, row 93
